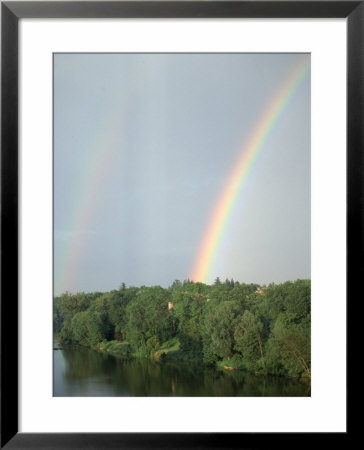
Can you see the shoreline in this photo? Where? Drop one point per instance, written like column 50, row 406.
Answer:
column 122, row 349
column 222, row 366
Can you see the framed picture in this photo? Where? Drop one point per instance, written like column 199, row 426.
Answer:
column 57, row 56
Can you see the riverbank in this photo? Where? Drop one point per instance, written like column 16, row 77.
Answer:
column 170, row 351
column 81, row 371
column 259, row 331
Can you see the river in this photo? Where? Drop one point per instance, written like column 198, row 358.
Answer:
column 80, row 372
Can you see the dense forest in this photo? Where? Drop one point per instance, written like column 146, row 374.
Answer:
column 263, row 330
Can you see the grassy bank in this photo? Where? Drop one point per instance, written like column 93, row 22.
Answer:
column 168, row 351
column 231, row 364
column 116, row 348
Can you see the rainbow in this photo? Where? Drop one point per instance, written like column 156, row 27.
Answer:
column 84, row 202
column 103, row 142
column 239, row 175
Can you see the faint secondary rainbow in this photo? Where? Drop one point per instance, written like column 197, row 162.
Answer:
column 84, row 202
column 104, row 141
column 239, row 175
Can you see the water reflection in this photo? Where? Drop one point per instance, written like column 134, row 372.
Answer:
column 81, row 372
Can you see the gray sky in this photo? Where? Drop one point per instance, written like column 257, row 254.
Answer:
column 143, row 146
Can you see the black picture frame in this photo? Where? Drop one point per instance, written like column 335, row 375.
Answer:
column 11, row 12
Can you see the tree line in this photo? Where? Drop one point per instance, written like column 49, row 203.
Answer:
column 259, row 329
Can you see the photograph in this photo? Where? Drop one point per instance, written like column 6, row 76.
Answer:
column 181, row 224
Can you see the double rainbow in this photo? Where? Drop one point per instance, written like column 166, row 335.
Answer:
column 239, row 175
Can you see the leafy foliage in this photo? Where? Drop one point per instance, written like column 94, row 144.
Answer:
column 261, row 329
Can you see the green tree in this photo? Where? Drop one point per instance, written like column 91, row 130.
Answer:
column 294, row 342
column 218, row 330
column 217, row 281
column 88, row 328
column 118, row 302
column 189, row 305
column 152, row 344
column 57, row 316
column 148, row 316
column 248, row 340
column 69, row 306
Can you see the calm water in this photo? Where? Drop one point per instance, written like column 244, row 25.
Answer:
column 80, row 372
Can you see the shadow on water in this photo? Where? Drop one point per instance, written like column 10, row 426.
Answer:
column 81, row 372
